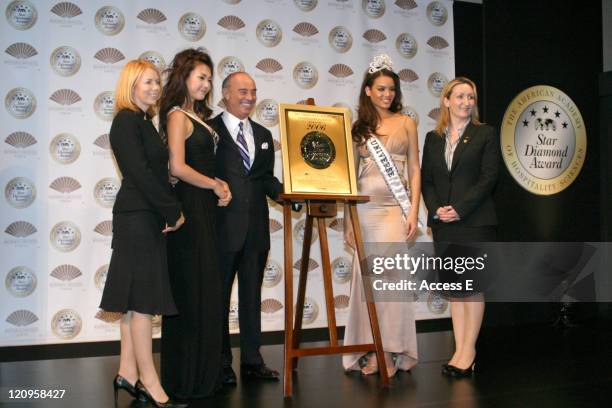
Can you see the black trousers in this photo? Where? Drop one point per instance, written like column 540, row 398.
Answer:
column 249, row 265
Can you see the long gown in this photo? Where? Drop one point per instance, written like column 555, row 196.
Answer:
column 381, row 221
column 192, row 341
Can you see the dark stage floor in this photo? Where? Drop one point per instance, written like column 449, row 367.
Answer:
column 519, row 367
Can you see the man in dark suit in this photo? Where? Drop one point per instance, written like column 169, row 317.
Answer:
column 245, row 160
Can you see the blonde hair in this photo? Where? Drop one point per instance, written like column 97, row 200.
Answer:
column 444, row 118
column 124, row 91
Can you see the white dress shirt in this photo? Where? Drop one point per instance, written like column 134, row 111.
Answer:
column 232, row 123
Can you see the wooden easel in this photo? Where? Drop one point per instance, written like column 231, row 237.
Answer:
column 320, row 207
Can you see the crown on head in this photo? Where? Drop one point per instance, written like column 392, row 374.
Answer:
column 382, row 61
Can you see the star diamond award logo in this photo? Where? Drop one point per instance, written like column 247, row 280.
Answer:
column 543, row 140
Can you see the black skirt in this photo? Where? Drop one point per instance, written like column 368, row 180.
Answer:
column 137, row 278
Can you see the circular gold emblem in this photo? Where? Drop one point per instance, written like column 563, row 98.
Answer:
column 191, row 26
column 272, row 274
column 21, row 14
column 233, row 316
column 437, row 13
column 306, row 5
column 267, row 112
column 410, row 111
column 543, row 140
column 269, row 33
column 406, row 45
column 311, row 310
column 154, row 58
column 20, row 281
column 436, row 303
column 100, row 277
column 20, row 192
column 65, row 61
column 340, row 39
column 298, row 232
column 436, row 82
column 109, row 20
column 104, row 105
column 20, row 103
column 229, row 65
column 305, row 75
column 65, row 148
column 65, row 236
column 373, row 8
column 66, row 324
column 106, row 191
column 341, row 269
column 318, row 150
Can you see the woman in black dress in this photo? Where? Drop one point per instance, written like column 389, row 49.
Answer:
column 145, row 209
column 192, row 341
column 459, row 172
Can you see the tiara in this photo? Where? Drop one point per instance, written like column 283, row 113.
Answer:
column 382, row 61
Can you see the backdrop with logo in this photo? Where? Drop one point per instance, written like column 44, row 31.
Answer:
column 59, row 65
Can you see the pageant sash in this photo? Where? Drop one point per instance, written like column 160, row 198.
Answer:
column 387, row 168
column 193, row 116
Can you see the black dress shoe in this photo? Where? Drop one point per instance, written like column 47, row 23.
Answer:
column 168, row 404
column 259, row 371
column 445, row 368
column 121, row 383
column 457, row 372
column 229, row 376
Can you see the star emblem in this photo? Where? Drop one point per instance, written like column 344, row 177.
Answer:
column 557, row 114
column 533, row 112
column 545, row 109
column 564, row 125
column 525, row 123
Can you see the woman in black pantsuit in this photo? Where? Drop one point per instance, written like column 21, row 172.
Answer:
column 459, row 171
column 137, row 282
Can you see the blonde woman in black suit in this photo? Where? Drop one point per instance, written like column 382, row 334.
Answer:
column 459, row 172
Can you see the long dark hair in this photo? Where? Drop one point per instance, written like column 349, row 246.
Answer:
column 367, row 116
column 175, row 90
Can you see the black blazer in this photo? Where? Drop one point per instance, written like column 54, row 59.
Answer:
column 247, row 216
column 469, row 184
column 142, row 158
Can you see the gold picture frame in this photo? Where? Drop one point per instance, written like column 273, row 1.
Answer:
column 317, row 150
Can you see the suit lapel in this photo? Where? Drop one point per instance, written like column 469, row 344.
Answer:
column 463, row 143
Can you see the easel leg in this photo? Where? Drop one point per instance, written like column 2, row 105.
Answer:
column 299, row 303
column 382, row 365
column 327, row 283
column 288, row 366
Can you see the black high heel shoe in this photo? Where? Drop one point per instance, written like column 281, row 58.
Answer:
column 457, row 372
column 121, row 383
column 168, row 404
column 445, row 368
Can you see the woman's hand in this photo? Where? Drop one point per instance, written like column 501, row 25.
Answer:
column 412, row 224
column 179, row 224
column 221, row 190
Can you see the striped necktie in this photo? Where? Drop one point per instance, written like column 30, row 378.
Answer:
column 242, row 146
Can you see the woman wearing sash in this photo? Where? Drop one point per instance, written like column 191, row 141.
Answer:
column 389, row 216
column 460, row 167
column 192, row 341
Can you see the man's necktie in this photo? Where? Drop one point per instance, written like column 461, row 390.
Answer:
column 242, row 146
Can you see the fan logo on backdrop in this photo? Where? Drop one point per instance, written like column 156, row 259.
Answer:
column 20, row 192
column 107, row 322
column 66, row 324
column 104, row 233
column 64, row 99
column 21, row 55
column 22, row 145
column 408, row 80
column 341, row 303
column 229, row 65
column 273, row 274
column 267, row 112
column 154, row 58
column 21, row 319
column 105, row 191
column 375, row 41
column 341, row 270
column 270, row 306
column 373, row 8
column 306, row 33
column 305, row 5
column 66, row 187
column 109, row 20
column 406, row 45
column 100, row 277
column 67, row 13
column 405, row 8
column 340, row 39
column 437, row 13
column 20, row 103
column 107, row 60
column 103, row 148
column 191, row 26
column 233, row 316
column 19, row 232
column 231, row 27
column 267, row 69
column 543, row 140
column 436, row 303
column 20, row 281
column 305, row 75
column 152, row 19
column 66, row 277
column 21, row 14
column 269, row 33
column 311, row 311
column 65, row 148
column 104, row 106
column 436, row 83
column 438, row 47
column 65, row 236
column 341, row 75
column 410, row 111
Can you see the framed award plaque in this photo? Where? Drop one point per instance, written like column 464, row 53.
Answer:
column 317, row 150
